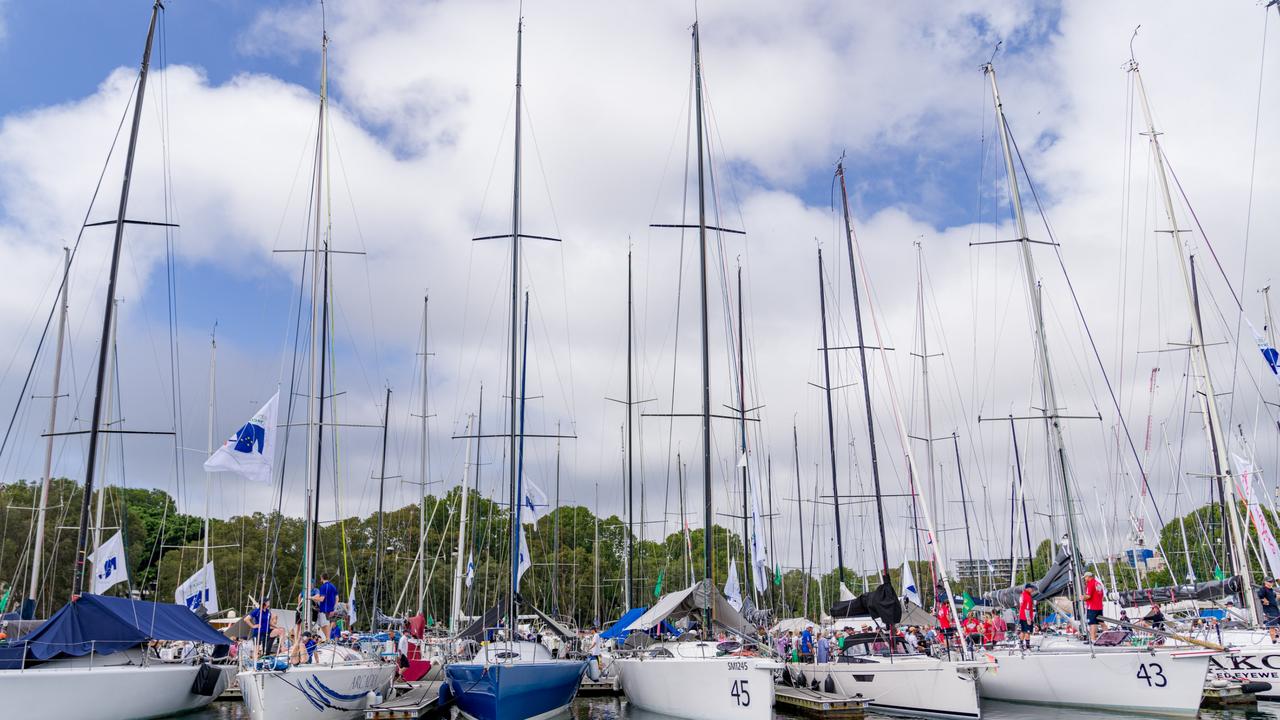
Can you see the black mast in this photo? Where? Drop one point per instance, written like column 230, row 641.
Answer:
column 108, row 313
column 866, row 384
column 742, row 419
column 706, row 359
column 382, row 485
column 631, row 489
column 831, row 421
column 515, row 334
column 1026, row 527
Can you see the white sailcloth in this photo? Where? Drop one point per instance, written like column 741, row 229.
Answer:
column 909, row 589
column 525, row 561
column 759, row 554
column 1269, row 354
column 471, row 569
column 199, row 589
column 250, row 451
column 732, row 590
column 534, row 504
column 109, row 566
column 351, row 605
column 845, row 593
column 1245, row 486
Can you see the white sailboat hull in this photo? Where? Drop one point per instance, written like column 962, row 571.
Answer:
column 919, row 686
column 328, row 692
column 113, row 692
column 700, row 689
column 1157, row 682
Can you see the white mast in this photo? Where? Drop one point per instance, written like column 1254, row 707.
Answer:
column 1199, row 359
column 459, row 574
column 1048, row 392
column 37, row 555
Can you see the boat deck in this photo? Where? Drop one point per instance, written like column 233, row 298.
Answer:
column 814, row 703
column 418, row 701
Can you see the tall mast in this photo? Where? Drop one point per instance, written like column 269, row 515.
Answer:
column 382, row 486
column 795, row 448
column 1199, row 359
column 964, row 502
column 101, row 496
column 319, row 334
column 108, row 312
column 1048, row 392
column 1022, row 498
column 518, row 490
column 924, row 386
column 707, row 518
column 459, row 574
column 515, row 328
column 831, row 424
column 213, row 376
column 471, row 541
column 866, row 380
column 37, row 555
column 555, row 532
column 631, row 492
column 422, row 469
column 773, row 546
column 742, row 420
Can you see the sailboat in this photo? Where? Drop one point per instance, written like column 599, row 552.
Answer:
column 91, row 658
column 691, row 679
column 1151, row 681
column 339, row 682
column 514, row 679
column 900, row 682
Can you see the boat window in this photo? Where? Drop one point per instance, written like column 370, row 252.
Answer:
column 660, row 653
column 507, row 655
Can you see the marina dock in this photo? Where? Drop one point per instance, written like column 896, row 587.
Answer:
column 420, row 700
column 817, row 704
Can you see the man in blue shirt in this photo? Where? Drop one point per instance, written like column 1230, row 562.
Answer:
column 326, row 599
column 262, row 626
column 806, row 645
column 1270, row 609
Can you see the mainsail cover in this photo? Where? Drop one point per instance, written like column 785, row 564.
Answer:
column 1211, row 590
column 881, row 604
column 1056, row 581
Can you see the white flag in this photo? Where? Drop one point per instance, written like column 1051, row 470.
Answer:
column 471, row 569
column 250, row 452
column 909, row 589
column 109, row 566
column 731, row 589
column 759, row 555
column 199, row 589
column 351, row 606
column 1244, row 486
column 525, row 562
column 534, row 504
column 1268, row 353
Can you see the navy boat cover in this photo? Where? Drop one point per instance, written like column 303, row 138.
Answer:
column 103, row 625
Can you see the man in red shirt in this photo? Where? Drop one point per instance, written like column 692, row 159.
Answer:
column 944, row 621
column 973, row 628
column 1092, row 604
column 1026, row 615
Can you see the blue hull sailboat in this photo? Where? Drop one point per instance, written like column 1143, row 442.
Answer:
column 520, row 681
column 508, row 678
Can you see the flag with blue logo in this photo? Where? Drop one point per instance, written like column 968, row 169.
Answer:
column 199, row 589
column 1268, row 353
column 109, row 566
column 525, row 562
column 759, row 553
column 249, row 452
column 732, row 590
column 534, row 504
column 909, row 589
column 471, row 569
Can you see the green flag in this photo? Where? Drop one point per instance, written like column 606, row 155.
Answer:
column 657, row 588
column 1218, row 574
column 4, row 603
column 777, row 575
column 968, row 603
column 431, row 621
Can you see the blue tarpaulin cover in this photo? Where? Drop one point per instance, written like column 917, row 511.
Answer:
column 619, row 629
column 104, row 625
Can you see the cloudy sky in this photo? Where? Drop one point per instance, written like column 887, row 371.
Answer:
column 421, row 121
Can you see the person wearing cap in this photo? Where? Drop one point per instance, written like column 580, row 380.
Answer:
column 1270, row 609
column 1093, row 596
column 1026, row 615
